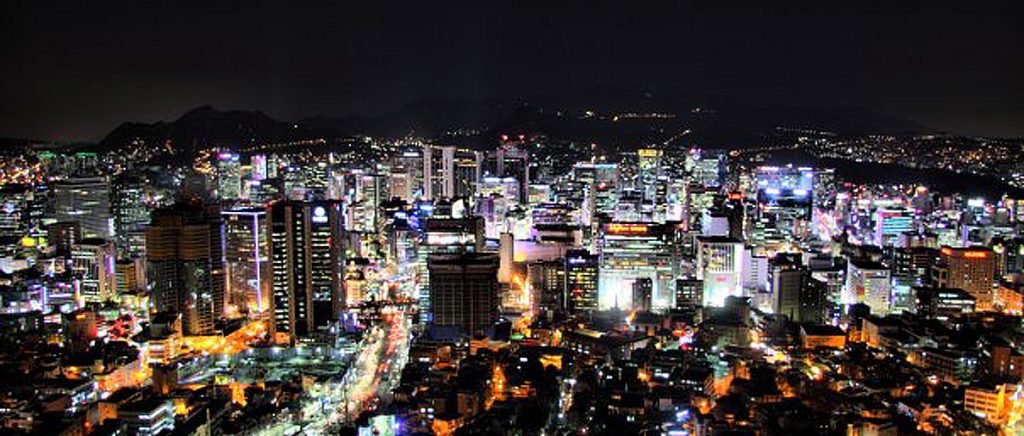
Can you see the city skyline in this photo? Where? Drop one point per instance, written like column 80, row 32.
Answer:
column 566, row 219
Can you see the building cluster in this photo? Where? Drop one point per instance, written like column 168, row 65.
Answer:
column 438, row 289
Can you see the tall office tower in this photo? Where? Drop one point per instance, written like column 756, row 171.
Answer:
column 274, row 164
column 868, row 282
column 649, row 165
column 785, row 282
column 631, row 251
column 467, row 173
column 407, row 178
column 969, row 268
column 708, row 167
column 890, row 224
column 307, row 263
column 229, row 176
column 40, row 208
column 719, row 267
column 92, row 260
column 600, row 182
column 86, row 200
column 784, row 196
column 14, row 209
column 438, row 172
column 315, row 179
column 824, row 188
column 509, row 161
column 464, row 288
column 399, row 185
column 582, row 281
column 185, row 254
column 445, row 236
column 247, row 259
column 131, row 216
column 259, row 167
column 547, row 278
column 363, row 211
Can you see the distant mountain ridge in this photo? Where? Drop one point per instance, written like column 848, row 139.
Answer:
column 713, row 121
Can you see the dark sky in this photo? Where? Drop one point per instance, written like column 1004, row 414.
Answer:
column 75, row 71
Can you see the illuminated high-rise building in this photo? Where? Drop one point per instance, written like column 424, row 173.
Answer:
column 707, row 167
column 582, row 281
column 786, row 279
column 92, row 260
column 464, row 291
column 259, row 167
column 438, row 172
column 406, row 175
column 247, row 258
column 229, row 176
column 720, row 268
column 547, row 278
column 466, row 173
column 87, row 201
column 307, row 263
column 868, row 282
column 509, row 161
column 632, row 251
column 185, row 255
column 890, row 224
column 445, row 236
column 14, row 209
column 600, row 185
column 969, row 268
column 131, row 215
column 649, row 164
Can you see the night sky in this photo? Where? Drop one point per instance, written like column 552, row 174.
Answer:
column 74, row 72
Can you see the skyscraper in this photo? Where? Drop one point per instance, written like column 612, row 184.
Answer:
column 719, row 266
column 445, row 236
column 92, row 259
column 229, row 176
column 307, row 262
column 87, row 201
column 185, row 253
column 259, row 167
column 247, row 261
column 130, row 216
column 634, row 250
column 547, row 277
column 464, row 290
column 785, row 281
column 581, row 280
column 868, row 282
column 467, row 173
column 510, row 161
column 14, row 208
column 971, row 269
column 438, row 172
